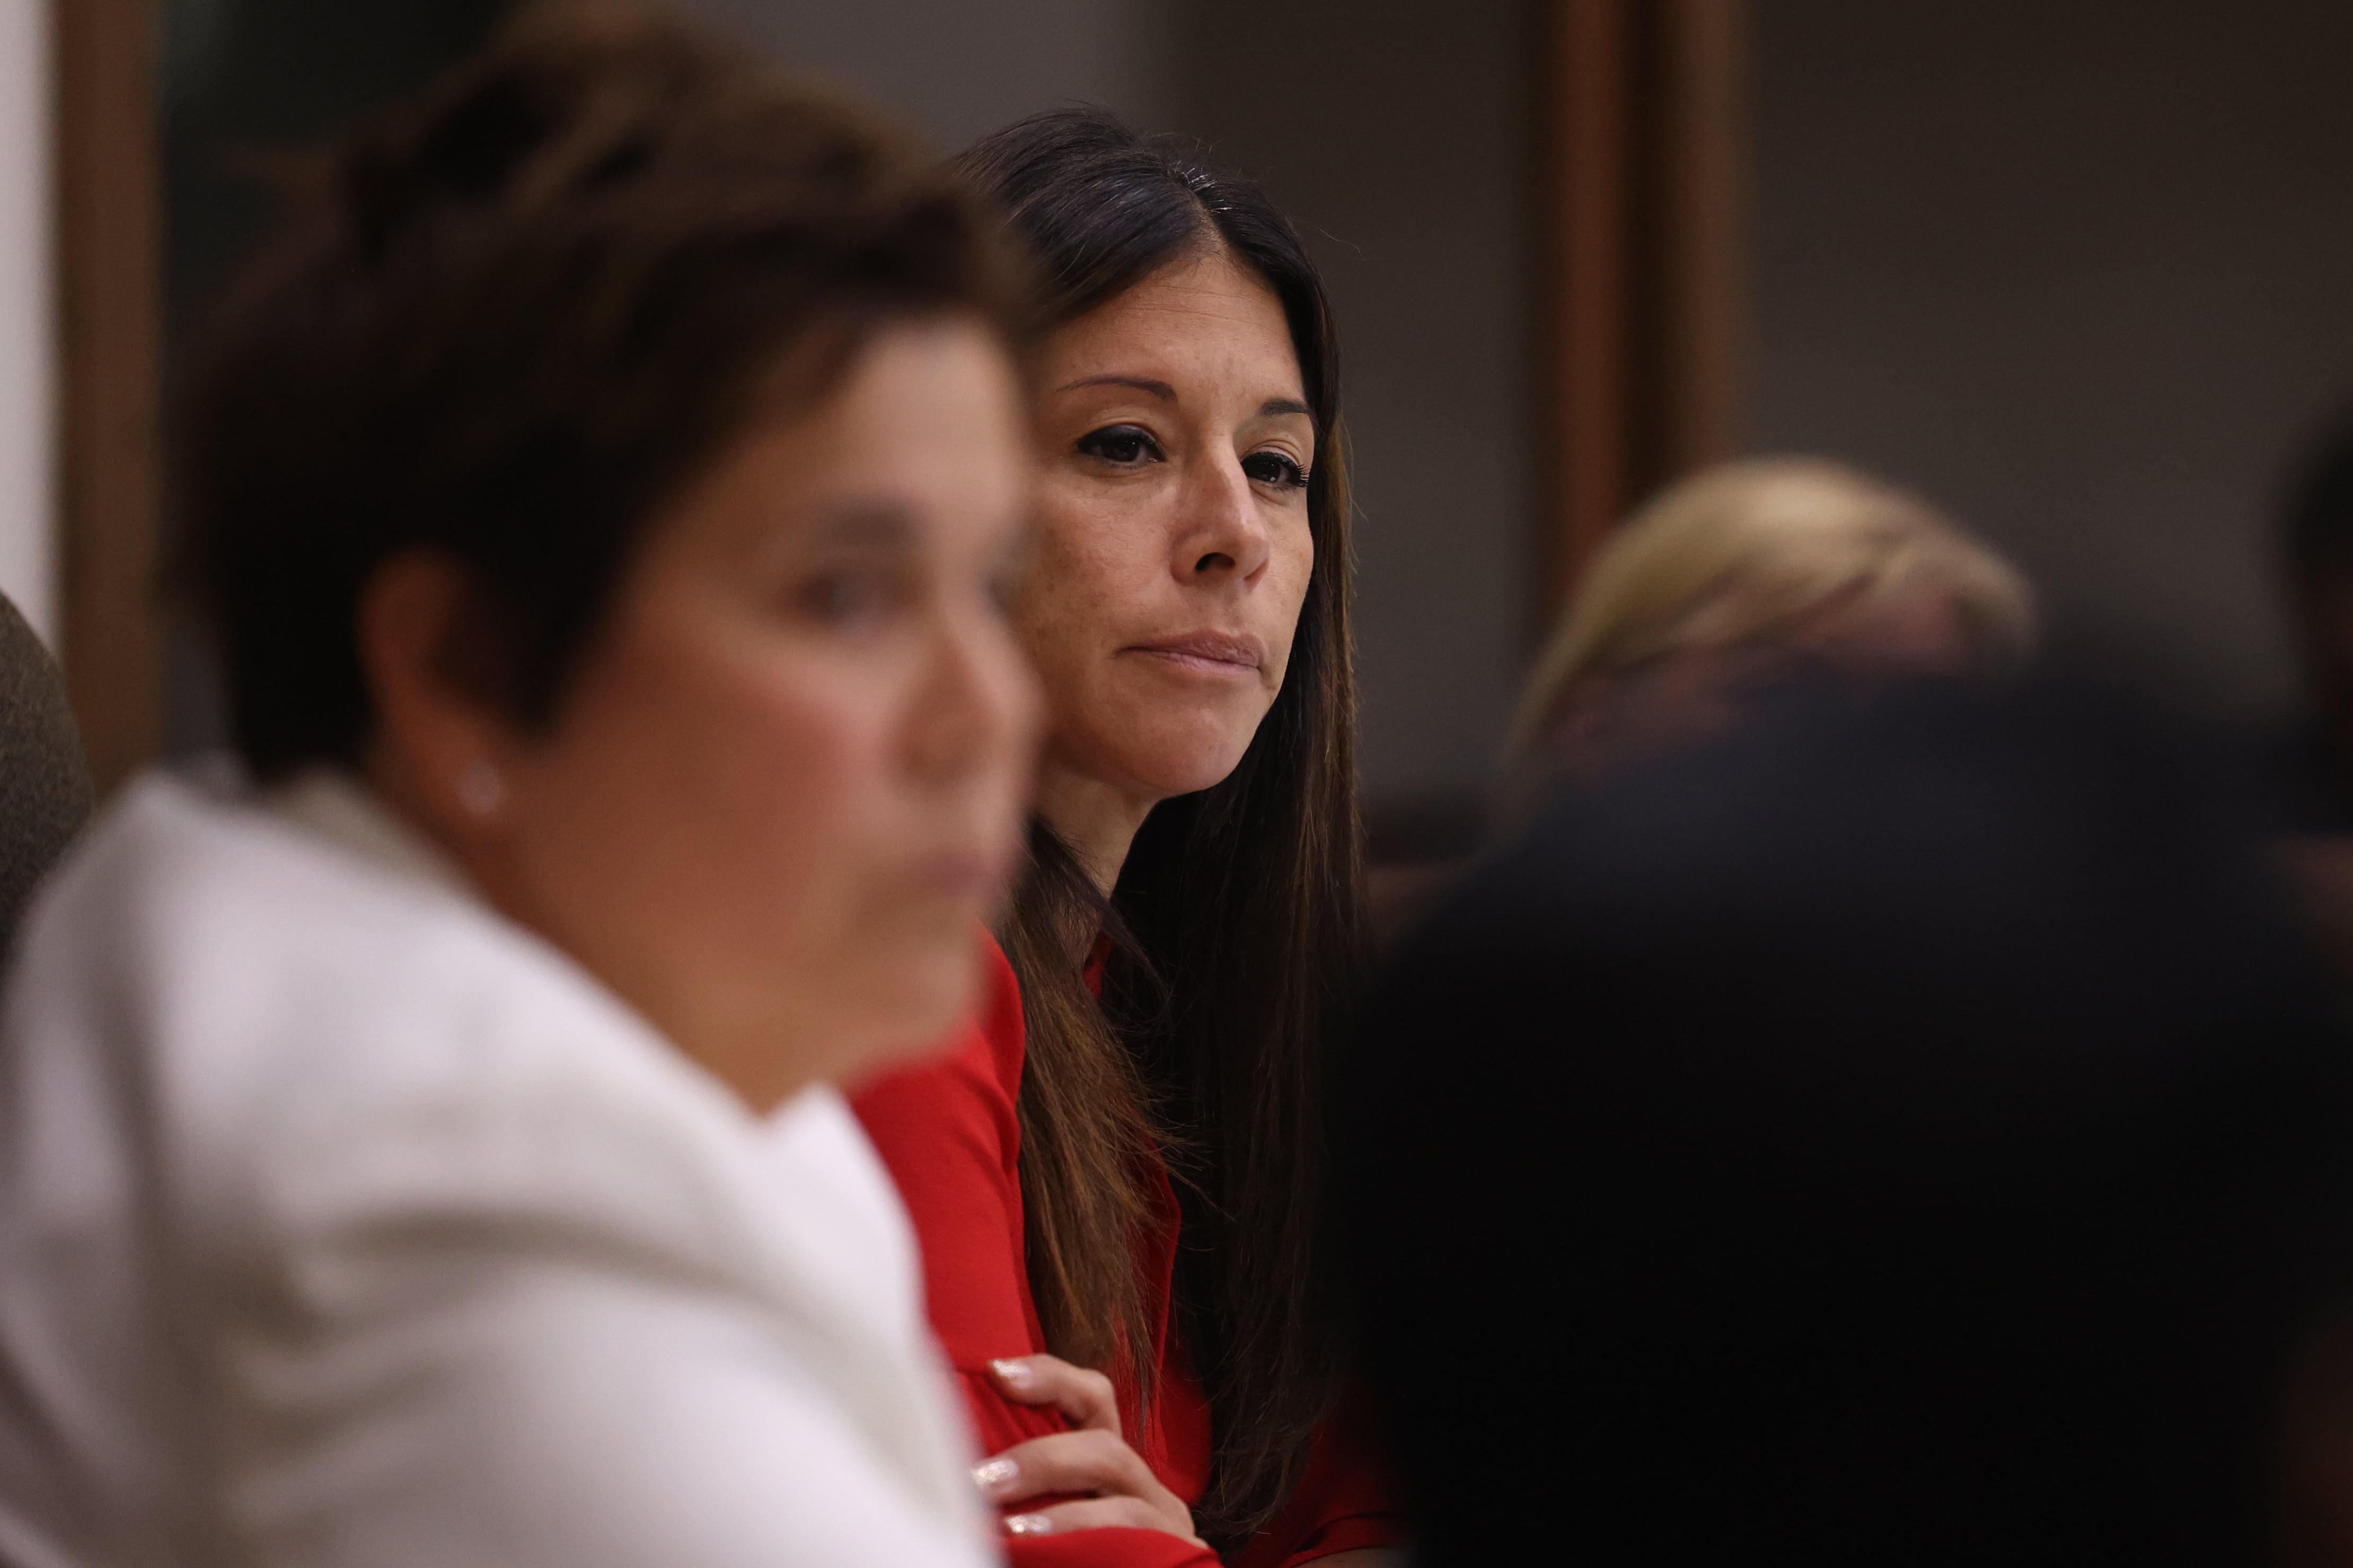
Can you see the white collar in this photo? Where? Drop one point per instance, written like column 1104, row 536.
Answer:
column 332, row 803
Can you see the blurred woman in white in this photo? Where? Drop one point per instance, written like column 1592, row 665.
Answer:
column 422, row 1154
column 1743, row 573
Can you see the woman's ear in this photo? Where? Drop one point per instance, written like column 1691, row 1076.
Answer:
column 441, row 747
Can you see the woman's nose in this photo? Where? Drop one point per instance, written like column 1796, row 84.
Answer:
column 981, row 706
column 1220, row 534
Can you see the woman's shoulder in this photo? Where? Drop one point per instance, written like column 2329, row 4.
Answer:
column 308, row 1029
column 847, row 1209
column 216, row 915
column 335, row 1104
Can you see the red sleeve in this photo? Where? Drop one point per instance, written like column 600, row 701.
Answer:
column 950, row 1135
column 1345, row 1499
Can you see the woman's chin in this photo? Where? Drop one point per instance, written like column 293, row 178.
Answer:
column 1176, row 742
column 1186, row 763
column 922, row 1009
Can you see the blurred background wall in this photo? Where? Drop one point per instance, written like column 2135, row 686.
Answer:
column 243, row 80
column 2076, row 271
column 2081, row 271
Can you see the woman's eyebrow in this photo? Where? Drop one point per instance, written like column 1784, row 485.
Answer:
column 1274, row 405
column 1159, row 389
column 880, row 525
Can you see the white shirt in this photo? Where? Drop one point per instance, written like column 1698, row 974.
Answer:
column 343, row 1222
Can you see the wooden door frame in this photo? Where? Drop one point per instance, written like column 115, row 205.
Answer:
column 108, row 272
column 1644, row 205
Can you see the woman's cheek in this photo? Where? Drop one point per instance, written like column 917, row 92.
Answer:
column 1057, row 642
column 1299, row 570
column 803, row 754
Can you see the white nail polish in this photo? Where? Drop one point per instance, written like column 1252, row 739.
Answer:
column 990, row 1474
column 1029, row 1524
column 1012, row 1372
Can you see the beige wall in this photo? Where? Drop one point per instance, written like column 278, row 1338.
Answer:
column 27, row 548
column 1397, row 135
column 957, row 68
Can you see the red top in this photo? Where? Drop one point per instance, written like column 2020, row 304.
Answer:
column 949, row 1133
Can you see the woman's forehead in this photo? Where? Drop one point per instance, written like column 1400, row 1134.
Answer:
column 1203, row 314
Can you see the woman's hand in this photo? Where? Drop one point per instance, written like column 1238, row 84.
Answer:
column 1117, row 1486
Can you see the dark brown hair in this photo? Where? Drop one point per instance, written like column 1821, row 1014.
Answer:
column 510, row 322
column 1237, row 924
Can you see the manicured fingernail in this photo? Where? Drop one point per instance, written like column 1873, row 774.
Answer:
column 991, row 1475
column 1016, row 1373
column 1029, row 1524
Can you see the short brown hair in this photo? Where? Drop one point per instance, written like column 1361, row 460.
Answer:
column 509, row 322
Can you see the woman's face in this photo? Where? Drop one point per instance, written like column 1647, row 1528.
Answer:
column 789, row 782
column 1174, row 549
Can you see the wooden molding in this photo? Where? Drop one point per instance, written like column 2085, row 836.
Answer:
column 1645, row 236
column 109, row 318
column 1702, row 170
column 1590, row 95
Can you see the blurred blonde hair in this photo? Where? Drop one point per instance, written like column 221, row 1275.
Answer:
column 1749, row 549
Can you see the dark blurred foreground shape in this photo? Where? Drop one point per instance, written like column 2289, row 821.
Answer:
column 45, row 784
column 1904, row 1129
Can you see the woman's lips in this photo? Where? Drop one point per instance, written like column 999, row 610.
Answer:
column 1208, row 652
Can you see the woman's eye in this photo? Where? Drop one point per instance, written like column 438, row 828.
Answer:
column 846, row 597
column 1122, row 446
column 1275, row 468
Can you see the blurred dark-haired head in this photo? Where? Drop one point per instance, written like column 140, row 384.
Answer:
column 510, row 322
column 615, row 469
column 1900, row 1130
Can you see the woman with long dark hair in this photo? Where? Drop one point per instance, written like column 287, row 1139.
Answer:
column 1123, row 1165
